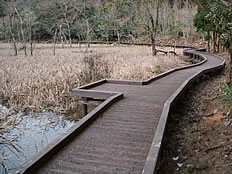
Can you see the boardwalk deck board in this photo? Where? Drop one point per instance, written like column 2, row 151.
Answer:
column 120, row 139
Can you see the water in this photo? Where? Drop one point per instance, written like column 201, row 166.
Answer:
column 32, row 132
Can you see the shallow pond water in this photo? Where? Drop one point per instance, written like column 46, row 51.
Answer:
column 31, row 133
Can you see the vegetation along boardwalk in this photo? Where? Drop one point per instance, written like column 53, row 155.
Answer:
column 125, row 137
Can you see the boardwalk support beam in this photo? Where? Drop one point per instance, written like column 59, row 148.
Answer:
column 84, row 106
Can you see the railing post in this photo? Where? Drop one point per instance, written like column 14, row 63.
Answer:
column 84, row 106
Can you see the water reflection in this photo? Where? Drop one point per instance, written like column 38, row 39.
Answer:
column 32, row 132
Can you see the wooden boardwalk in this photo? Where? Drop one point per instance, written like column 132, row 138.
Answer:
column 125, row 137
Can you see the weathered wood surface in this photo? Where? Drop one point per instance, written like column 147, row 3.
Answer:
column 126, row 137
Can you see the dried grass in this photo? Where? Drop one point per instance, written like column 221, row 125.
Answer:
column 44, row 81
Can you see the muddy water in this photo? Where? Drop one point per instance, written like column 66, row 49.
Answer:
column 31, row 133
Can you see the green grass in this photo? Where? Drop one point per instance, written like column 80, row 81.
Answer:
column 227, row 95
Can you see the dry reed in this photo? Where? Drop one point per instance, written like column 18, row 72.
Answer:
column 44, row 81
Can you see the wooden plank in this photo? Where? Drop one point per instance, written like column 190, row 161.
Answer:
column 91, row 102
column 126, row 82
column 34, row 164
column 92, row 93
column 92, row 85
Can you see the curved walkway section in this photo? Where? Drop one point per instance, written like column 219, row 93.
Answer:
column 125, row 137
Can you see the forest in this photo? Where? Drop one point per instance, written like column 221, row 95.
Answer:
column 135, row 21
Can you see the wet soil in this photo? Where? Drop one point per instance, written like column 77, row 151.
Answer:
column 199, row 132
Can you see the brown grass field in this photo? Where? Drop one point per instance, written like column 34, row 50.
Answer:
column 44, row 81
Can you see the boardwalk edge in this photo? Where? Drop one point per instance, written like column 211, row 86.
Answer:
column 154, row 152
column 46, row 154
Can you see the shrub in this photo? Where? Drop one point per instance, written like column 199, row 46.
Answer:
column 227, row 95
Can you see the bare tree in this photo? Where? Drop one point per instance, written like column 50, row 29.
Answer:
column 83, row 9
column 22, row 30
column 12, row 21
column 53, row 20
column 184, row 18
column 117, row 17
column 31, row 20
column 149, row 12
column 30, row 23
column 54, row 41
column 11, row 18
column 69, row 18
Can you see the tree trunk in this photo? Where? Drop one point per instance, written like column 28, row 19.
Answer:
column 4, row 26
column 118, row 35
column 12, row 36
column 64, row 37
column 68, row 25
column 54, row 47
column 18, row 33
column 214, row 42
column 154, row 52
column 70, row 39
column 88, row 33
column 88, row 40
column 25, row 48
column 61, row 37
column 31, row 44
column 154, row 27
column 79, row 40
column 62, row 41
column 218, row 45
column 22, row 32
column 30, row 36
column 209, row 46
column 208, row 42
